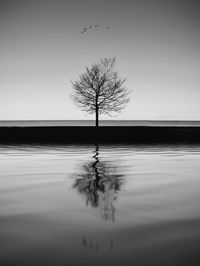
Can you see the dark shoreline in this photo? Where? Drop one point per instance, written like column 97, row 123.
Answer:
column 106, row 134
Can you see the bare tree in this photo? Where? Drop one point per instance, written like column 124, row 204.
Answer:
column 100, row 90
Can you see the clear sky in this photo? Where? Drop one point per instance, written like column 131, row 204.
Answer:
column 156, row 43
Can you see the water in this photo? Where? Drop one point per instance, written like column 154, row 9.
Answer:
column 57, row 123
column 99, row 205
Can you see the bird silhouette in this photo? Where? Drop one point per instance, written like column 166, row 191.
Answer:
column 84, row 30
column 92, row 26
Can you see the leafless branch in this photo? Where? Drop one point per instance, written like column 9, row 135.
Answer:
column 100, row 90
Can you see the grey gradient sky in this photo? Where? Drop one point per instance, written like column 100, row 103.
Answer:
column 156, row 43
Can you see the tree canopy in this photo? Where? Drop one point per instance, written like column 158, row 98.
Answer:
column 99, row 89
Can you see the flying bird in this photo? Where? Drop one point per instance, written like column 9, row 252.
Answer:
column 84, row 30
column 91, row 26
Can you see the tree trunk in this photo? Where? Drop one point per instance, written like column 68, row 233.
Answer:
column 97, row 117
column 97, row 111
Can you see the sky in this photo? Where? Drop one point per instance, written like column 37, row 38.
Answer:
column 156, row 44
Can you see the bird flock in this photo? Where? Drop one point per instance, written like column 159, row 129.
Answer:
column 85, row 29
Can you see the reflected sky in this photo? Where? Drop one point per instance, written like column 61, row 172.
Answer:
column 99, row 205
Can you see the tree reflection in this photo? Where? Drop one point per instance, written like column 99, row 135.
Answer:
column 99, row 182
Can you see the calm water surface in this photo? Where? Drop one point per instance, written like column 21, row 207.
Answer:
column 58, row 123
column 99, row 205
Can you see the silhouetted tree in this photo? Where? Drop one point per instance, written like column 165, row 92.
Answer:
column 100, row 90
